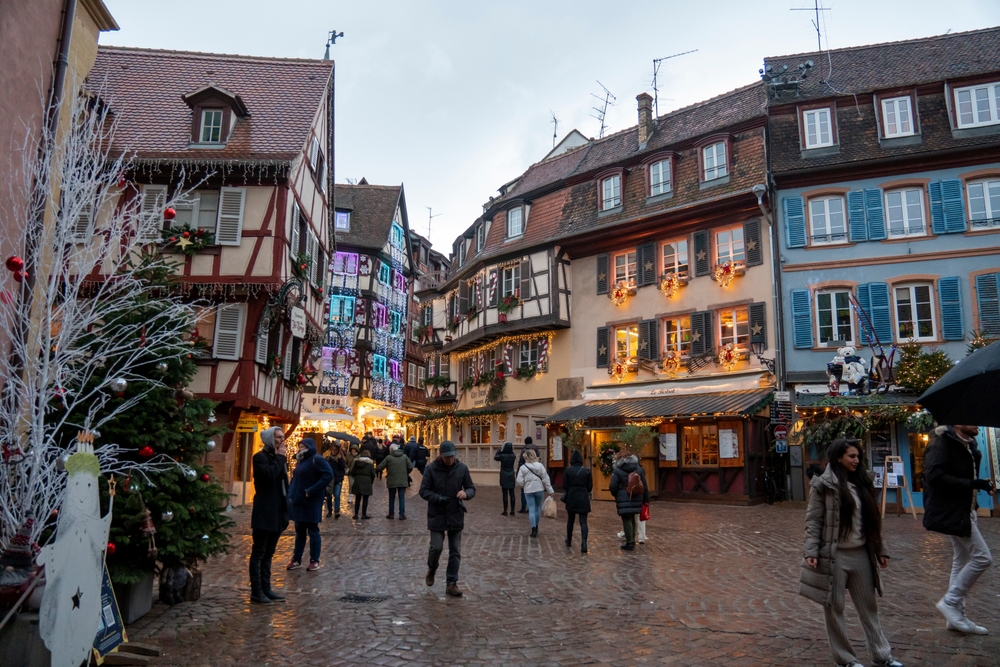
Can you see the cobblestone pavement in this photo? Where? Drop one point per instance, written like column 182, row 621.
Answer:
column 714, row 585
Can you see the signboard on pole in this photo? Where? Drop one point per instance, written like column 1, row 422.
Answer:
column 780, row 432
column 781, row 446
column 297, row 322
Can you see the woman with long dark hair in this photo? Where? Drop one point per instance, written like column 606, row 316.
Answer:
column 844, row 550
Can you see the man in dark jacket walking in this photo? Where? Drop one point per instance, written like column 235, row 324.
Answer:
column 422, row 453
column 447, row 484
column 306, row 493
column 951, row 482
column 410, row 449
column 270, row 512
column 629, row 504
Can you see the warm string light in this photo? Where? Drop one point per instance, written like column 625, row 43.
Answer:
column 729, row 356
column 619, row 368
column 670, row 283
column 504, row 341
column 725, row 273
column 621, row 292
column 671, row 363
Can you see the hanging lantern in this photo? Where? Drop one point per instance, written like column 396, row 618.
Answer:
column 619, row 367
column 670, row 283
column 621, row 293
column 729, row 356
column 725, row 273
column 671, row 363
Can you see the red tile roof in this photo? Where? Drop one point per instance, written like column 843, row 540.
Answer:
column 372, row 208
column 144, row 87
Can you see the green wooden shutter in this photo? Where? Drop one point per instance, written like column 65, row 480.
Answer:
column 649, row 347
column 602, row 273
column 647, row 264
column 875, row 214
column 802, row 328
column 857, row 225
column 795, row 222
column 702, row 253
column 463, row 298
column 603, row 346
column 988, row 295
column 752, row 242
column 701, row 333
column 950, row 295
column 953, row 203
column 758, row 318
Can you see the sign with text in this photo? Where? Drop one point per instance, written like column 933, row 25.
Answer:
column 111, row 630
column 247, row 425
column 781, row 432
column 297, row 322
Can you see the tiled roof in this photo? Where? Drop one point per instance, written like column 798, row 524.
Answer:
column 865, row 69
column 144, row 89
column 372, row 209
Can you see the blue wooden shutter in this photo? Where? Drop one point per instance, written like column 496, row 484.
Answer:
column 880, row 312
column 752, row 243
column 988, row 294
column 757, row 312
column 603, row 343
column 649, row 339
column 702, row 254
column 875, row 214
column 647, row 264
column 795, row 222
column 857, row 225
column 953, row 203
column 865, row 301
column 950, row 294
column 802, row 328
column 602, row 274
column 937, row 208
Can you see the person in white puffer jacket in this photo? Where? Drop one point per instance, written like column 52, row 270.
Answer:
column 534, row 481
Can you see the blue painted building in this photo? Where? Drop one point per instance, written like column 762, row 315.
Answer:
column 885, row 177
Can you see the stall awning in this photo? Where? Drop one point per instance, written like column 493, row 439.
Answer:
column 740, row 403
column 854, row 402
column 507, row 406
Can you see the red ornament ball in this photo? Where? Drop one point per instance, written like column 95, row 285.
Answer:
column 205, row 477
column 186, row 234
column 14, row 263
column 111, row 549
column 146, row 452
column 169, row 214
column 173, row 239
column 20, row 275
column 6, row 296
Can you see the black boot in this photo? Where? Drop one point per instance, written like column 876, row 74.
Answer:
column 583, row 547
column 534, row 531
column 569, row 539
column 272, row 595
column 257, row 595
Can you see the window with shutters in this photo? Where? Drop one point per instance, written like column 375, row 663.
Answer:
column 197, row 210
column 734, row 326
column 211, row 126
column 729, row 245
column 342, row 221
column 914, row 313
column 713, row 160
column 976, row 106
column 511, row 283
column 905, row 212
column 396, row 237
column 625, row 267
column 421, row 376
column 627, row 341
column 228, row 340
column 897, row 117
column 675, row 257
column 341, row 309
column 818, row 128
column 659, row 178
column 529, row 353
column 833, row 317
column 384, row 273
column 827, row 222
column 379, row 366
column 229, row 228
column 611, row 192
column 984, row 203
column 313, row 153
column 677, row 335
column 514, row 223
column 151, row 203
column 83, row 228
column 395, row 322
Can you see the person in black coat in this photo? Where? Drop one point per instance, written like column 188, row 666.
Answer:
column 528, row 444
column 446, row 485
column 629, row 505
column 422, row 453
column 577, row 484
column 410, row 449
column 310, row 478
column 505, row 455
column 270, row 512
column 951, row 482
column 381, row 451
column 335, row 457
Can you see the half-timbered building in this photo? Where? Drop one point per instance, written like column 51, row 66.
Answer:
column 239, row 144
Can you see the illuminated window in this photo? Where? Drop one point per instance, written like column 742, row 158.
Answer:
column 675, row 257
column 627, row 341
column 625, row 266
column 677, row 335
column 729, row 245
column 700, row 445
column 734, row 326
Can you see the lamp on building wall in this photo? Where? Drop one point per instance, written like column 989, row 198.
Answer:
column 757, row 345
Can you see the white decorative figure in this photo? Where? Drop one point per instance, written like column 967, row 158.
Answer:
column 74, row 564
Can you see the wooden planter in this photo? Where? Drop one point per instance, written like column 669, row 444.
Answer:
column 135, row 600
column 21, row 644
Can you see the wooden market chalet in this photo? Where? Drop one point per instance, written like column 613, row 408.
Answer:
column 245, row 140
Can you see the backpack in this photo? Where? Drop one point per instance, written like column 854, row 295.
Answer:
column 634, row 486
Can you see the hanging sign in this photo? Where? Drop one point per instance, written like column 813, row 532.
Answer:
column 297, row 322
column 668, row 446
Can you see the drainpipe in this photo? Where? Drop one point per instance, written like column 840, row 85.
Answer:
column 779, row 334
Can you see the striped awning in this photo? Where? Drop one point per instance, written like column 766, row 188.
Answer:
column 730, row 403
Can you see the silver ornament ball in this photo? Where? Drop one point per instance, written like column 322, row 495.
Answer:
column 61, row 462
column 191, row 473
column 204, row 538
column 118, row 385
column 162, row 367
column 210, row 445
column 167, row 516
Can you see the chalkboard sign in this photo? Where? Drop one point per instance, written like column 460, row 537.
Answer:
column 111, row 632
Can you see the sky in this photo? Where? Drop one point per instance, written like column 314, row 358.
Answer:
column 454, row 98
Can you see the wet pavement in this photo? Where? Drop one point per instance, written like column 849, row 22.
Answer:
column 713, row 585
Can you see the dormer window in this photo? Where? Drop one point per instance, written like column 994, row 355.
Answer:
column 211, row 126
column 818, row 128
column 480, row 237
column 515, row 226
column 714, row 161
column 611, row 192
column 214, row 114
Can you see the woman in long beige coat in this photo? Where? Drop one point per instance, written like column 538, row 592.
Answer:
column 843, row 552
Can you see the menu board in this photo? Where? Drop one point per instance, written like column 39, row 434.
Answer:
column 729, row 444
column 668, row 446
column 557, row 450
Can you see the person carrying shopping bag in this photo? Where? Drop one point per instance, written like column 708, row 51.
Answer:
column 534, row 481
column 843, row 552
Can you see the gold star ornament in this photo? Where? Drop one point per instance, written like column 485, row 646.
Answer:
column 648, row 266
column 702, row 255
column 183, row 242
column 602, row 276
column 751, row 245
column 696, row 336
column 602, row 350
column 756, row 329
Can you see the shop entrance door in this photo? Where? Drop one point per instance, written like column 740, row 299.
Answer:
column 243, row 470
column 649, row 459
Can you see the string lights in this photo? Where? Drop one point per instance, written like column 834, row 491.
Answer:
column 503, row 341
column 725, row 273
column 670, row 283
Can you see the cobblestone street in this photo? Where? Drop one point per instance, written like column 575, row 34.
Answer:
column 713, row 585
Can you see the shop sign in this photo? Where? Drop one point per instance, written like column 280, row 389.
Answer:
column 783, row 396
column 297, row 322
column 557, row 450
column 478, row 395
column 247, row 425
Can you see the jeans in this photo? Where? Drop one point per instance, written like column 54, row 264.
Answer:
column 630, row 522
column 302, row 528
column 508, row 493
column 524, row 500
column 401, row 493
column 583, row 526
column 361, row 501
column 333, row 502
column 534, row 507
column 261, row 553
column 971, row 559
column 454, row 553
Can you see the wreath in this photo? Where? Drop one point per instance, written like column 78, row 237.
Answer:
column 606, row 457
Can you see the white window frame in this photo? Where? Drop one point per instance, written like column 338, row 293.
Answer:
column 833, row 310
column 716, row 153
column 897, row 117
column 907, row 197
column 735, row 336
column 912, row 289
column 611, row 192
column 813, row 121
column 659, row 178
column 229, row 227
column 667, row 329
column 206, row 126
column 411, row 374
column 986, row 188
column 680, row 250
column 515, row 230
column 631, row 339
column 511, row 281
column 421, row 376
column 827, row 235
column 461, row 252
column 528, row 352
column 974, row 112
column 480, row 237
column 731, row 245
column 347, row 218
column 631, row 266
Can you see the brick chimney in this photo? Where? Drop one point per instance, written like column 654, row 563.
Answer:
column 645, row 101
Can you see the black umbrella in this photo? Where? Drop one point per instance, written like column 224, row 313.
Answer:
column 967, row 394
column 343, row 436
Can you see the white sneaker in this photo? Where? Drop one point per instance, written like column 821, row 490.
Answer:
column 967, row 627
column 642, row 541
column 621, row 534
column 952, row 614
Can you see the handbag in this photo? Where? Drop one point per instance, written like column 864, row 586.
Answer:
column 549, row 508
column 644, row 512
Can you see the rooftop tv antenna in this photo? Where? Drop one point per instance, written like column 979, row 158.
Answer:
column 430, row 216
column 817, row 8
column 609, row 100
column 555, row 127
column 656, row 68
column 332, row 39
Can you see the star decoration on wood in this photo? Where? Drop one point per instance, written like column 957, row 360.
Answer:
column 602, row 277
column 643, row 345
column 602, row 350
column 648, row 266
column 751, row 245
column 183, row 242
column 76, row 598
column 702, row 255
column 696, row 336
column 756, row 329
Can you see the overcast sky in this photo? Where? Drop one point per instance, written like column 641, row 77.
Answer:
column 454, row 98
